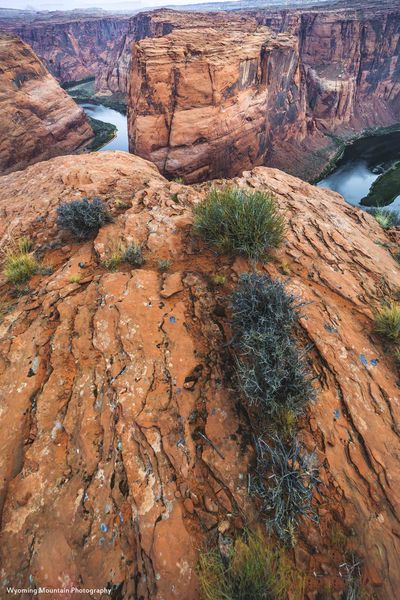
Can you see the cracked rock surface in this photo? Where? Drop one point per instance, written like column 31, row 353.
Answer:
column 122, row 446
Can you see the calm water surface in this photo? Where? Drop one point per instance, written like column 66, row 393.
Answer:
column 108, row 115
column 362, row 163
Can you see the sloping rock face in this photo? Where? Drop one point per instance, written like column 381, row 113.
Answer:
column 199, row 99
column 74, row 48
column 122, row 449
column 332, row 77
column 38, row 119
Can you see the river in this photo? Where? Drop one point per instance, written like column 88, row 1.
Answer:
column 109, row 115
column 362, row 163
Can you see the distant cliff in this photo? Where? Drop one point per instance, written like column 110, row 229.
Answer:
column 38, row 119
column 74, row 48
column 333, row 75
column 199, row 98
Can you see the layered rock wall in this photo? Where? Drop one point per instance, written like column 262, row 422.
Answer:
column 198, row 107
column 38, row 119
column 72, row 49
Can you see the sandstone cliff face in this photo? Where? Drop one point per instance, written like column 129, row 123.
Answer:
column 71, row 49
column 121, row 446
column 199, row 99
column 338, row 76
column 114, row 74
column 38, row 119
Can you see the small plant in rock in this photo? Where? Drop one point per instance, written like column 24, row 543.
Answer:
column 272, row 370
column 121, row 204
column 76, row 278
column 114, row 259
column 255, row 570
column 24, row 245
column 83, row 217
column 218, row 279
column 387, row 321
column 285, row 478
column 385, row 217
column 19, row 265
column 133, row 255
column 178, row 180
column 164, row 265
column 238, row 221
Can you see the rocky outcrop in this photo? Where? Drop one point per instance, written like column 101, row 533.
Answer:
column 38, row 119
column 114, row 74
column 72, row 48
column 199, row 99
column 332, row 76
column 122, row 449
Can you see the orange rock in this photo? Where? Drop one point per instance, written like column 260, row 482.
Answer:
column 107, row 419
column 38, row 118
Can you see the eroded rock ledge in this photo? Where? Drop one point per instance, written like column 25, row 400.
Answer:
column 108, row 383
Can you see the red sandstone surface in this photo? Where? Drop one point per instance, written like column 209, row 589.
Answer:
column 106, row 384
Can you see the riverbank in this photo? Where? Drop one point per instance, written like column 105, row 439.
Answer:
column 385, row 189
column 104, row 133
column 84, row 91
column 344, row 143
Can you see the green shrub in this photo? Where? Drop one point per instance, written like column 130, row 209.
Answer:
column 114, row 259
column 387, row 321
column 83, row 217
column 238, row 221
column 285, row 478
column 133, row 255
column 272, row 370
column 256, row 570
column 164, row 265
column 385, row 217
column 19, row 267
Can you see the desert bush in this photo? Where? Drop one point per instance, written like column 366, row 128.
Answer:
column 256, row 570
column 238, row 221
column 385, row 217
column 19, row 267
column 272, row 370
column 163, row 265
column 133, row 255
column 83, row 217
column 387, row 321
column 286, row 475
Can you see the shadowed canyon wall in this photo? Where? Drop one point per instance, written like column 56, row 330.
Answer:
column 38, row 119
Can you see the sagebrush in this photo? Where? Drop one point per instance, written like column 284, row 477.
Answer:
column 285, row 477
column 83, row 217
column 272, row 369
